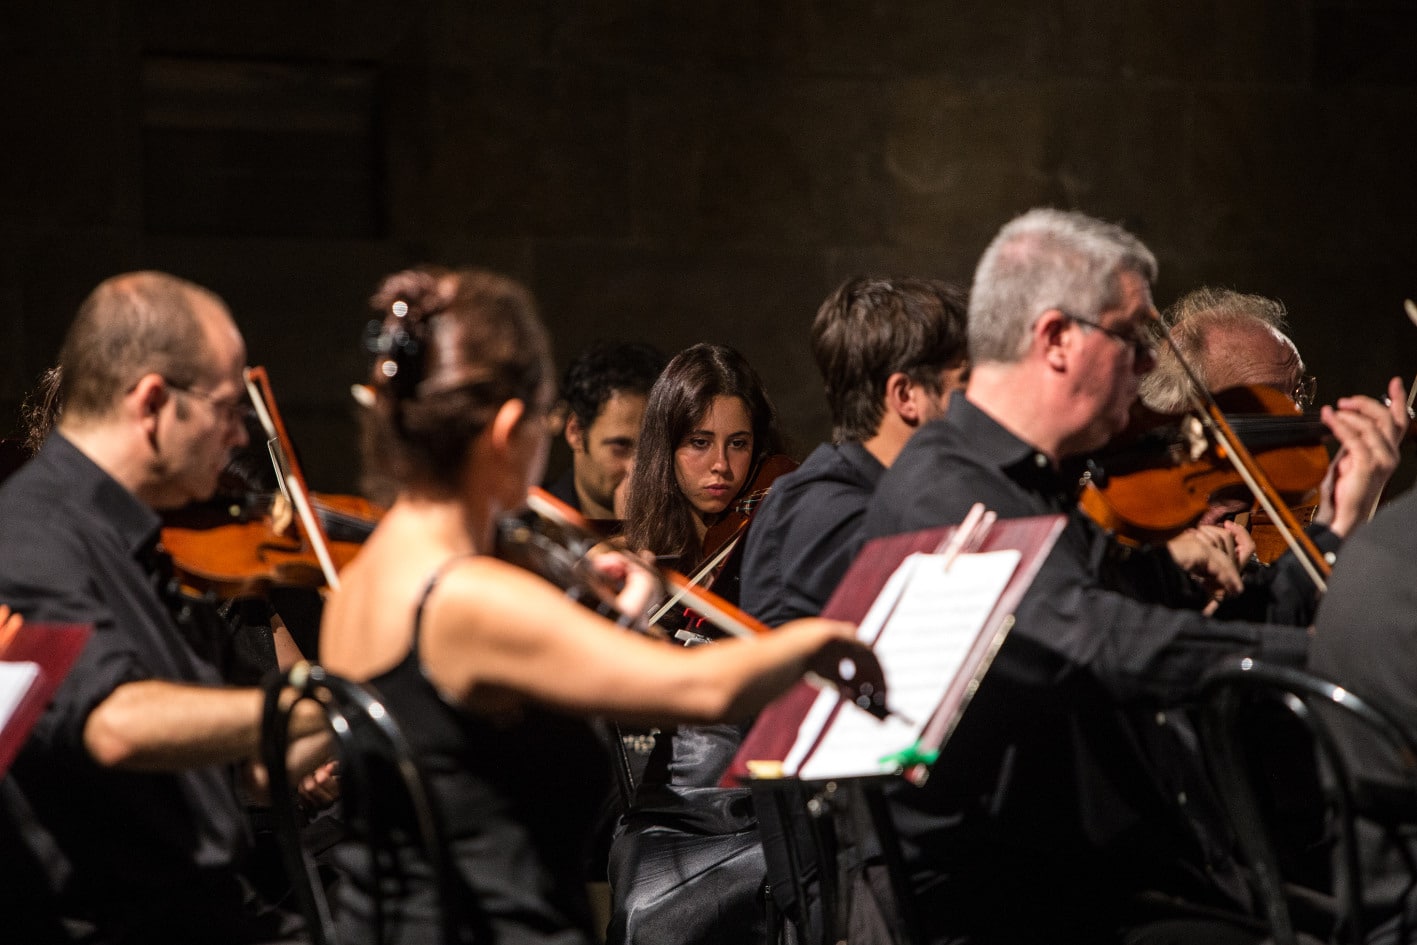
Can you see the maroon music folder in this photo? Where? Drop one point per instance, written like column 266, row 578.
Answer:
column 789, row 736
column 32, row 665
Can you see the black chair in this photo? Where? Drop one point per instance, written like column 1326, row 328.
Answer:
column 1331, row 715
column 363, row 731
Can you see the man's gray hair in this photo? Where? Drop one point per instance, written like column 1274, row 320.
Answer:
column 1046, row 259
column 1190, row 320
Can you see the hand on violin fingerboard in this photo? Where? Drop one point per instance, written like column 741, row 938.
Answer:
column 1370, row 434
column 635, row 586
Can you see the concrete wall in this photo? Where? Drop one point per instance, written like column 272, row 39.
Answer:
column 682, row 172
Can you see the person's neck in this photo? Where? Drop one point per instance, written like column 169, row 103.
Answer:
column 112, row 448
column 590, row 507
column 444, row 521
column 1021, row 402
column 891, row 437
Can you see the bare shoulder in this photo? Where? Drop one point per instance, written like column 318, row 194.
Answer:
column 367, row 627
column 480, row 590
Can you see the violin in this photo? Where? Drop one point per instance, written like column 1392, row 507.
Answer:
column 733, row 621
column 722, row 555
column 555, row 541
column 1163, row 474
column 563, row 538
column 242, row 546
column 734, row 520
column 1269, row 542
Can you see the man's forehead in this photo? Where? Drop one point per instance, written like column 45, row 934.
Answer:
column 622, row 406
column 225, row 354
column 1257, row 354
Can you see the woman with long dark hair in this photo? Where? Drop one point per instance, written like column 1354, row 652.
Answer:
column 709, row 432
column 686, row 864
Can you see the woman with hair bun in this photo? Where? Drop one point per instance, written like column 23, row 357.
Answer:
column 491, row 672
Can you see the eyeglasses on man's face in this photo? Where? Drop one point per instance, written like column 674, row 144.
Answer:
column 231, row 410
column 1142, row 348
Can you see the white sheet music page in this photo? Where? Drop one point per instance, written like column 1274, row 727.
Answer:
column 924, row 624
column 15, row 681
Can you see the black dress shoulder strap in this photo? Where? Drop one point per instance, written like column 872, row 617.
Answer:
column 433, row 580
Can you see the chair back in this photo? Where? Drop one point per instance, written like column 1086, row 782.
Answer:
column 1327, row 712
column 361, row 726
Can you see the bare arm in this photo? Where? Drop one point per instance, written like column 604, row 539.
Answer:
column 153, row 725
column 287, row 652
column 495, row 632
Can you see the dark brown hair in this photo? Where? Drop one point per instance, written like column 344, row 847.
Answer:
column 659, row 517
column 41, row 409
column 870, row 328
column 450, row 346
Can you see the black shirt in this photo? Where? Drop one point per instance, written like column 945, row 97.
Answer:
column 1366, row 631
column 1068, row 786
column 152, row 855
column 1366, row 641
column 806, row 532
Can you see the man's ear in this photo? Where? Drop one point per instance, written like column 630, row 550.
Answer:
column 144, row 401
column 1050, row 335
column 147, row 397
column 575, row 436
column 899, row 401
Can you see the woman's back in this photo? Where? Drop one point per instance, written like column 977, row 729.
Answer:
column 515, row 793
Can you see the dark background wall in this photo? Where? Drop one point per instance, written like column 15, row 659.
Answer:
column 681, row 172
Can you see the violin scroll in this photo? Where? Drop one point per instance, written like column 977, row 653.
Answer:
column 548, row 541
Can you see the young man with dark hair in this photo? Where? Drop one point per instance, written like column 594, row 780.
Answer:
column 605, row 390
column 891, row 351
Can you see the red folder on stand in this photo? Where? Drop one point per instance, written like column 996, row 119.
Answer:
column 32, row 665
column 992, row 562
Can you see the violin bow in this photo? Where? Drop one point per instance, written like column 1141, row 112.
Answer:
column 719, row 612
column 1224, row 436
column 685, row 586
column 278, row 444
column 701, row 577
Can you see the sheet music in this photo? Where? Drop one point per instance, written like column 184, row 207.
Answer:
column 924, row 624
column 867, row 631
column 15, row 681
